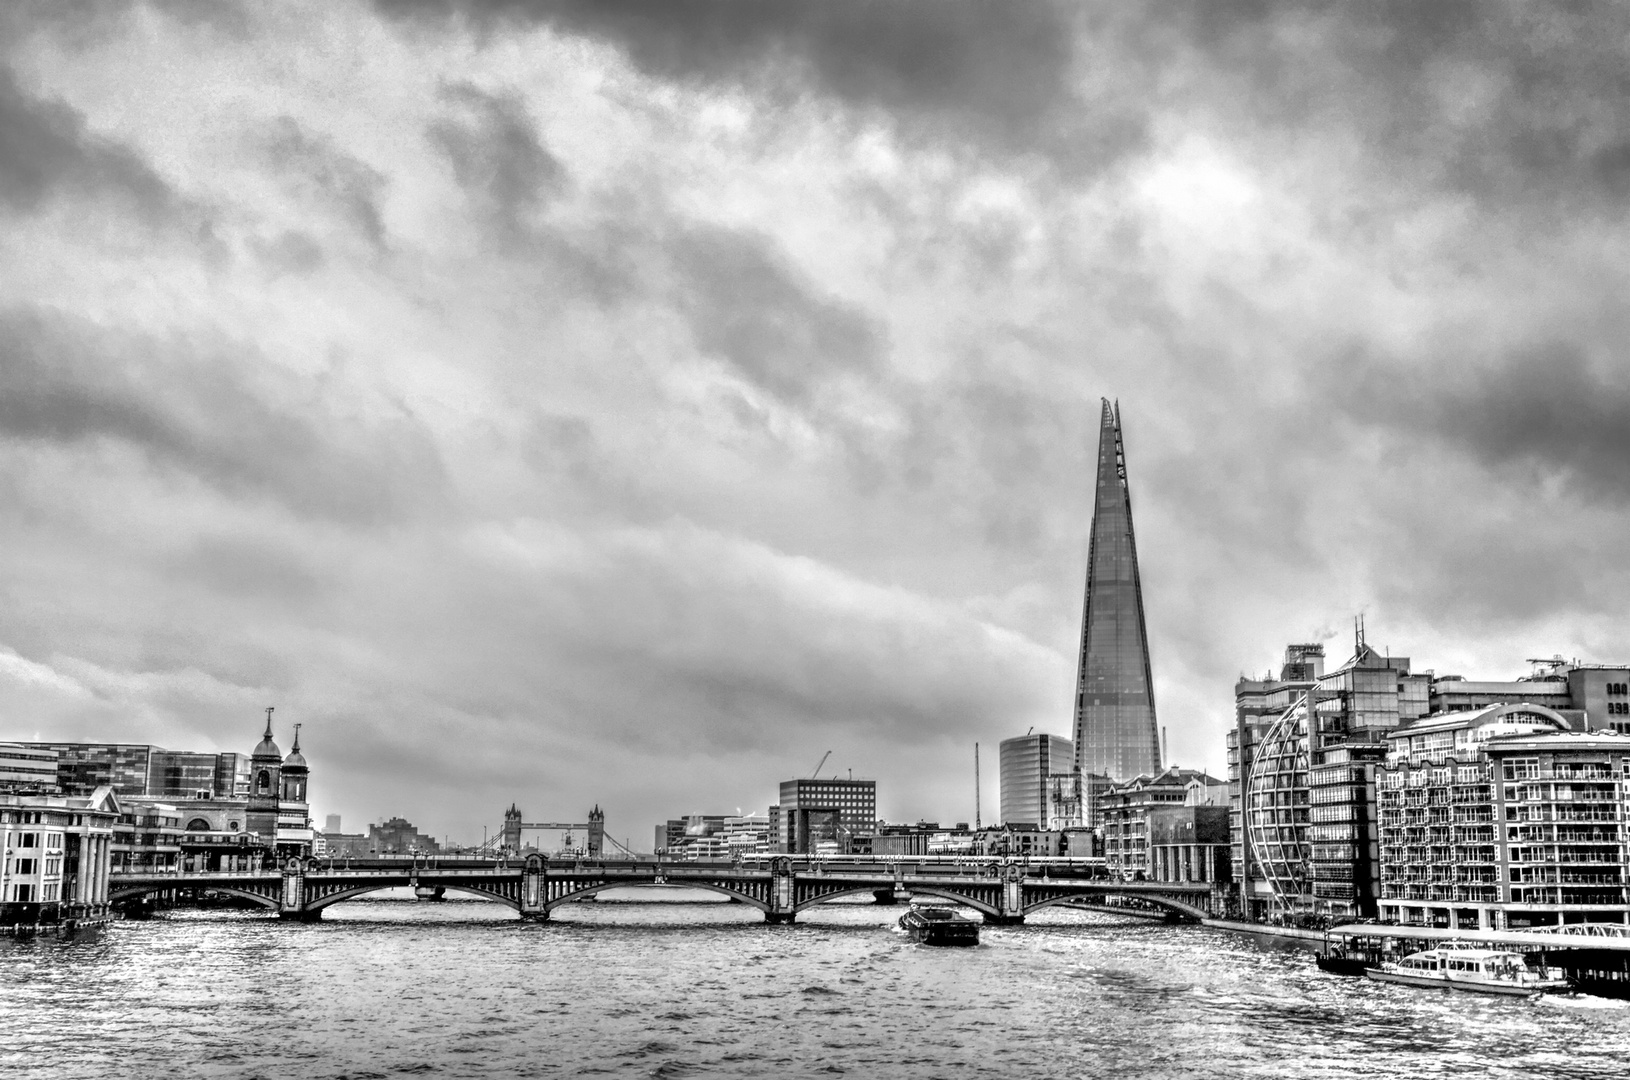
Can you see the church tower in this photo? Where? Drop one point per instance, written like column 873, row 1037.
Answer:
column 265, row 780
column 294, row 832
column 1115, row 731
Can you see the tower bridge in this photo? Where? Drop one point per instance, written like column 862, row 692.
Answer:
column 1003, row 891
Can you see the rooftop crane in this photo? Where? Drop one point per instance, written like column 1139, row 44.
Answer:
column 817, row 772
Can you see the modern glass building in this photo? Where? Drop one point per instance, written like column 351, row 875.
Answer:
column 1115, row 730
column 1027, row 762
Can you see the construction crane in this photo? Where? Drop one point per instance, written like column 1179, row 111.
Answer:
column 816, row 774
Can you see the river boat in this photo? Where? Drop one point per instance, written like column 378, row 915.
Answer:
column 1479, row 971
column 935, row 925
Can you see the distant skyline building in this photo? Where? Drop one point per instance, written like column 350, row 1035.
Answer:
column 1115, row 731
column 815, row 812
column 1026, row 763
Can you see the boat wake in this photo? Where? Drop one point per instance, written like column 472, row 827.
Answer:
column 1582, row 1001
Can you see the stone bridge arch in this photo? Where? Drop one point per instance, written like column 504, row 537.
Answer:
column 1176, row 907
column 945, row 892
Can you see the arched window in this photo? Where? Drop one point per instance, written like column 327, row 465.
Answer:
column 198, row 824
column 264, row 783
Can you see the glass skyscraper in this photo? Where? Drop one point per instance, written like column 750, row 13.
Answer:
column 1027, row 762
column 1115, row 730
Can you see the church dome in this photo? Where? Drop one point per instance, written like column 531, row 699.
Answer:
column 266, row 748
column 295, row 760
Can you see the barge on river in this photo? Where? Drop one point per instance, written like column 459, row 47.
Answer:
column 937, row 925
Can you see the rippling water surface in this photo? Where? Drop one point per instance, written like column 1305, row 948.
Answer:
column 389, row 987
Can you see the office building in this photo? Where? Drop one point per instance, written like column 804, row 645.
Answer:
column 1281, row 877
column 399, row 836
column 1115, row 731
column 28, row 768
column 1027, row 763
column 146, row 770
column 1591, row 697
column 1504, row 817
column 1257, row 704
column 1305, row 760
column 824, row 816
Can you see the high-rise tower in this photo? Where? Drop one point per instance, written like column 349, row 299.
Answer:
column 1115, row 730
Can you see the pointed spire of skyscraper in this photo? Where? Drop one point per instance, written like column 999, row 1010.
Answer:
column 1115, row 730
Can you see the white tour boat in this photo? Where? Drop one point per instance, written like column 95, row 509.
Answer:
column 1481, row 971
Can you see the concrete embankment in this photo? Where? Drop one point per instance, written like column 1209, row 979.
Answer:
column 1288, row 933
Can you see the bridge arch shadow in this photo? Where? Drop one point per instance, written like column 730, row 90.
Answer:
column 592, row 890
column 119, row 896
column 951, row 894
column 1175, row 907
column 342, row 895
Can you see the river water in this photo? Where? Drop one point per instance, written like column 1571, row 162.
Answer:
column 388, row 987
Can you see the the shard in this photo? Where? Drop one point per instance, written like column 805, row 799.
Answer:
column 1115, row 732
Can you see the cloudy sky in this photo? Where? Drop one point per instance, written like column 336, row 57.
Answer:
column 630, row 402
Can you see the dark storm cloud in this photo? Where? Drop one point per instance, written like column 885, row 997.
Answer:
column 1498, row 101
column 1539, row 413
column 996, row 74
column 46, row 150
column 319, row 167
column 497, row 157
column 747, row 305
column 67, row 381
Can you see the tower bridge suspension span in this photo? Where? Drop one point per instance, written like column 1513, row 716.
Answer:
column 1003, row 891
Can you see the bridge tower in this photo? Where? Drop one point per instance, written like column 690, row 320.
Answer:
column 597, row 832
column 512, row 828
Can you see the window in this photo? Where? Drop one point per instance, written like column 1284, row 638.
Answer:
column 26, row 866
column 28, row 839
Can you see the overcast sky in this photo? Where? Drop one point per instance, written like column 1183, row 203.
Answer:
column 628, row 403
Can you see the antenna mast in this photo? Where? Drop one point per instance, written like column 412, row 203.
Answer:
column 976, row 824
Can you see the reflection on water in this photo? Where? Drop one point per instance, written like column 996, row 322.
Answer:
column 388, row 987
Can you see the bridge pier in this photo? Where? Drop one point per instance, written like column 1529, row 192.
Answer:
column 884, row 897
column 783, row 909
column 1011, row 910
column 535, row 889
column 291, row 902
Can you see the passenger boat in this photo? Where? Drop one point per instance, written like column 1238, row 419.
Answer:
column 935, row 925
column 1481, row 971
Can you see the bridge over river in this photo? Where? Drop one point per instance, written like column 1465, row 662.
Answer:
column 1003, row 891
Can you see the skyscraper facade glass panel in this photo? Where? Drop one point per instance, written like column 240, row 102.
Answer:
column 1115, row 730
